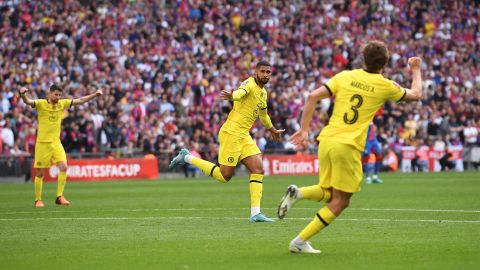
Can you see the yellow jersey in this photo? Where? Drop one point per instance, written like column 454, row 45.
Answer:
column 358, row 96
column 50, row 118
column 246, row 110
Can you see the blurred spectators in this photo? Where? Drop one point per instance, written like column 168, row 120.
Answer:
column 163, row 63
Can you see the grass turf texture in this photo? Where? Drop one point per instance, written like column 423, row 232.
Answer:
column 202, row 224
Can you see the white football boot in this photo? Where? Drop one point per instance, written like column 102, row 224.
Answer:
column 288, row 200
column 302, row 247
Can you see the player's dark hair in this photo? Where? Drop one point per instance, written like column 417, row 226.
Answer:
column 55, row 87
column 263, row 63
column 375, row 54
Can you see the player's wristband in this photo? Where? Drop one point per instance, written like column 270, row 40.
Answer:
column 22, row 94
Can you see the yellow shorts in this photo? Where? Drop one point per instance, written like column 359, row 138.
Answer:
column 340, row 166
column 235, row 147
column 46, row 153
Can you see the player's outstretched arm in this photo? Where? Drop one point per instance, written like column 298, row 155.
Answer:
column 85, row 99
column 233, row 95
column 267, row 122
column 300, row 137
column 27, row 100
column 414, row 94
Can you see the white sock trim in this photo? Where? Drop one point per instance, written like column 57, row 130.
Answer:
column 254, row 210
column 188, row 159
column 298, row 240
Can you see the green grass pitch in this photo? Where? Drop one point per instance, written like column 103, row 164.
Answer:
column 412, row 221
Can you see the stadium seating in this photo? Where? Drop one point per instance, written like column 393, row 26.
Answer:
column 162, row 67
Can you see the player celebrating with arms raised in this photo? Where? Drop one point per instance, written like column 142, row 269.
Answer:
column 359, row 94
column 48, row 147
column 236, row 144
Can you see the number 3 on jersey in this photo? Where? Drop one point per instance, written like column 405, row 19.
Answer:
column 357, row 100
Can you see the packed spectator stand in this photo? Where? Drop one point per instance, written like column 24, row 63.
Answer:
column 162, row 65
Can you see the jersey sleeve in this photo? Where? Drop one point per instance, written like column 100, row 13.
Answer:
column 242, row 90
column 263, row 114
column 245, row 86
column 66, row 103
column 333, row 84
column 397, row 93
column 39, row 104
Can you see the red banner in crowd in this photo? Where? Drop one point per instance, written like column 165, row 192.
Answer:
column 107, row 169
column 431, row 156
column 290, row 164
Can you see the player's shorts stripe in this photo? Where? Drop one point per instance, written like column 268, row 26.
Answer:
column 256, row 181
column 404, row 93
column 329, row 90
column 213, row 168
column 322, row 220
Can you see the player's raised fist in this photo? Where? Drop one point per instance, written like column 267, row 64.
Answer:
column 414, row 62
column 99, row 92
column 23, row 90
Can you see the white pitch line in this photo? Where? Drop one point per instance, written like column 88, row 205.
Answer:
column 415, row 210
column 236, row 218
column 246, row 209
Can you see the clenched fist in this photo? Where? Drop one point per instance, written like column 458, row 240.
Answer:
column 414, row 62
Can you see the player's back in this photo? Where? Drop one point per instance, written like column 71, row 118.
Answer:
column 358, row 96
column 246, row 111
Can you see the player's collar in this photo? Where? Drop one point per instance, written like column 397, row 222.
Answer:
column 255, row 79
column 366, row 70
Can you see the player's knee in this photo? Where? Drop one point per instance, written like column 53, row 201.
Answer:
column 339, row 204
column 227, row 177
column 39, row 173
column 344, row 203
column 62, row 167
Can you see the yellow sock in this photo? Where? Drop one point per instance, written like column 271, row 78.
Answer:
column 38, row 187
column 315, row 193
column 256, row 188
column 62, row 179
column 208, row 168
column 323, row 218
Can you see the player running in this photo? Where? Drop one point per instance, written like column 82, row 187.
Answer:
column 236, row 144
column 359, row 94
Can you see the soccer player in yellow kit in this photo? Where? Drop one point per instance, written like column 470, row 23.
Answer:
column 48, row 148
column 236, row 144
column 358, row 96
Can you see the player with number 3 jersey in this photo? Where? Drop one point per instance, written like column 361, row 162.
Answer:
column 358, row 96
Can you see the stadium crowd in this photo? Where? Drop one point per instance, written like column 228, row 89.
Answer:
column 162, row 65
